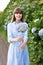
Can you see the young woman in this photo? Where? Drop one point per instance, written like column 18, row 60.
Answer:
column 17, row 32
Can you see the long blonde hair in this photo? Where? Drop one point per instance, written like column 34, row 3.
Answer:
column 17, row 10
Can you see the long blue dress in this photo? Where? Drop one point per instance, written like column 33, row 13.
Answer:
column 16, row 56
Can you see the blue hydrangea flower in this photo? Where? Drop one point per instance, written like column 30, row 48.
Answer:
column 40, row 32
column 34, row 29
column 22, row 27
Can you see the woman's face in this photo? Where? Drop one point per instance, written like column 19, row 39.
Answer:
column 18, row 16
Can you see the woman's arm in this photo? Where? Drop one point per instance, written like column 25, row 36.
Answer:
column 25, row 39
column 10, row 35
column 16, row 39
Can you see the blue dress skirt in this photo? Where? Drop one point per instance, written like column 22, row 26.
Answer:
column 16, row 56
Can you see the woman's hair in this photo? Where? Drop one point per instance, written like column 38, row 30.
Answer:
column 17, row 10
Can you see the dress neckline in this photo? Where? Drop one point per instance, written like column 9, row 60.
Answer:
column 18, row 23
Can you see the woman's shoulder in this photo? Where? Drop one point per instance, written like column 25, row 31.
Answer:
column 25, row 23
column 9, row 24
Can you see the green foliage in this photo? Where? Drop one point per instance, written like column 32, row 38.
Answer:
column 33, row 15
column 36, row 41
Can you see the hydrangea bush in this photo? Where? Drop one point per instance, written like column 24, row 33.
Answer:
column 34, row 18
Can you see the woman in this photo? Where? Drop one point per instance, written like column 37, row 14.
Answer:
column 17, row 32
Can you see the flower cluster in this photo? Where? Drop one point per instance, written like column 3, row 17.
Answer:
column 22, row 27
column 34, row 29
column 37, row 27
column 40, row 32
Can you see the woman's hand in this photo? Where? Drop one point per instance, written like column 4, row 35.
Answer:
column 16, row 39
column 19, row 38
column 22, row 47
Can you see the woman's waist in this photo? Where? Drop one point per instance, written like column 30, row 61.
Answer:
column 16, row 43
